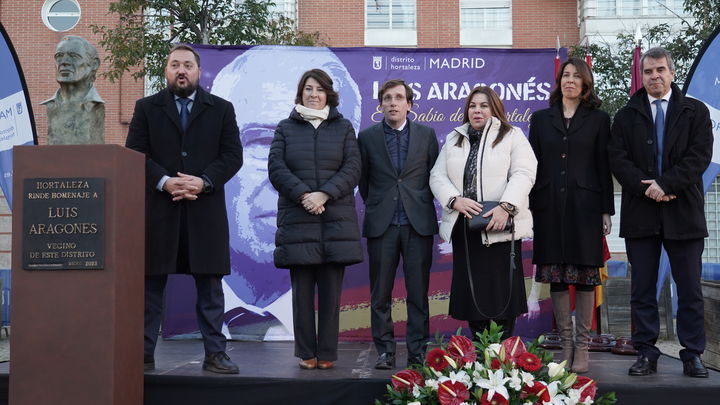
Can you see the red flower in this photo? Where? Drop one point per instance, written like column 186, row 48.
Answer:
column 495, row 364
column 514, row 347
column 538, row 390
column 589, row 384
column 529, row 362
column 497, row 399
column 406, row 379
column 452, row 393
column 462, row 350
column 436, row 359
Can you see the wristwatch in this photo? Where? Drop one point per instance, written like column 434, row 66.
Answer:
column 509, row 208
column 207, row 186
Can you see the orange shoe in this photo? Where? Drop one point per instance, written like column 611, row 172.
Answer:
column 308, row 364
column 324, row 365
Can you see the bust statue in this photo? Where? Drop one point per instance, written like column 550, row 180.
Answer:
column 76, row 114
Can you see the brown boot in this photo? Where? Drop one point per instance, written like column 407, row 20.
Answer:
column 584, row 307
column 561, row 310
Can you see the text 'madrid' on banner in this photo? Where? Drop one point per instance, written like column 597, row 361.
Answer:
column 17, row 126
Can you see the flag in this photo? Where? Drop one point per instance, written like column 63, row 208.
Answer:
column 17, row 125
column 588, row 55
column 557, row 56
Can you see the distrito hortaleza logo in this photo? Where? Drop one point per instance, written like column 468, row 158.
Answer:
column 377, row 62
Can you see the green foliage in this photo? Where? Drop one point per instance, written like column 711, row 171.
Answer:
column 147, row 28
column 612, row 62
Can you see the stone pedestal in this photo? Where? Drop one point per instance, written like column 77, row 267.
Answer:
column 78, row 333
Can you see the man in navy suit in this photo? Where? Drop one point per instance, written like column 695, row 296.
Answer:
column 661, row 144
column 192, row 147
column 400, row 220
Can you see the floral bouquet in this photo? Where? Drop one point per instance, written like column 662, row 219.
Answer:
column 490, row 372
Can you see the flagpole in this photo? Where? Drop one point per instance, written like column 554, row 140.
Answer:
column 636, row 77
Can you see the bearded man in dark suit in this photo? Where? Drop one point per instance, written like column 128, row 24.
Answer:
column 397, row 155
column 192, row 147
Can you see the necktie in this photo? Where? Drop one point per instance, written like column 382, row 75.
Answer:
column 659, row 133
column 184, row 112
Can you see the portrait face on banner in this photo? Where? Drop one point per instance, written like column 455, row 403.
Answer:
column 261, row 83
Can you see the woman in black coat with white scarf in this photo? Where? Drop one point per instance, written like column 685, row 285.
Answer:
column 314, row 164
column 571, row 202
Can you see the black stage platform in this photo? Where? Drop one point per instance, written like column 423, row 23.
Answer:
column 269, row 375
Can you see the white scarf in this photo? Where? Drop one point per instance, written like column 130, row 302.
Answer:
column 314, row 117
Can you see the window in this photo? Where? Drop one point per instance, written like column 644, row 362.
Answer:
column 486, row 22
column 287, row 8
column 712, row 216
column 625, row 8
column 390, row 14
column 390, row 22
column 60, row 15
column 665, row 7
column 605, row 8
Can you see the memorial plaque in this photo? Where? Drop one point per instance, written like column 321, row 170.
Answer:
column 63, row 223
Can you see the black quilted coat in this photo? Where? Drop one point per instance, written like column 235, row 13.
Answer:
column 304, row 159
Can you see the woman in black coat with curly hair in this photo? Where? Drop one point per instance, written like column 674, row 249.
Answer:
column 314, row 164
column 571, row 202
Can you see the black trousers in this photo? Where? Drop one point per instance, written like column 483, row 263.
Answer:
column 384, row 255
column 322, row 343
column 686, row 265
column 209, row 309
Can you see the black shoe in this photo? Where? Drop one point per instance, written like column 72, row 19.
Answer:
column 643, row 366
column 695, row 368
column 416, row 359
column 385, row 361
column 220, row 363
column 149, row 361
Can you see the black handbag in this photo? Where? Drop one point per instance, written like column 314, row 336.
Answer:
column 479, row 223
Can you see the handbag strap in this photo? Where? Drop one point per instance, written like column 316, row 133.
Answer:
column 469, row 271
column 467, row 250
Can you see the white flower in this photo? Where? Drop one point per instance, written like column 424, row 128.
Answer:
column 527, row 378
column 573, row 397
column 588, row 401
column 495, row 348
column 495, row 383
column 416, row 390
column 555, row 369
column 431, row 383
column 414, row 403
column 556, row 398
column 461, row 376
column 515, row 381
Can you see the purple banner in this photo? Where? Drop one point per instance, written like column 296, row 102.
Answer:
column 261, row 82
